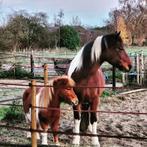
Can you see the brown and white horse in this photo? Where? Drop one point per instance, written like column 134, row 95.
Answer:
column 85, row 71
column 61, row 91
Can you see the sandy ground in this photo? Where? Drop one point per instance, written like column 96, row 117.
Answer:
column 108, row 124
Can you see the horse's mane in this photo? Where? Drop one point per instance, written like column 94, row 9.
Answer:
column 77, row 62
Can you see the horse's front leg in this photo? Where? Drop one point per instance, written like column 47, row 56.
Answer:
column 93, row 121
column 76, row 129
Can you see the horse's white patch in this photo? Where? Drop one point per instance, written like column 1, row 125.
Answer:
column 95, row 140
column 76, row 138
column 76, row 63
column 90, row 127
column 96, row 49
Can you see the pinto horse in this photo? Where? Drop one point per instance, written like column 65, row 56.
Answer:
column 85, row 71
column 61, row 91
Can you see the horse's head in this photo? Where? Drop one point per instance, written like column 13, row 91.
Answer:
column 64, row 90
column 114, row 53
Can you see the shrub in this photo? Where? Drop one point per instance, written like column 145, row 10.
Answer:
column 69, row 38
column 12, row 113
column 16, row 72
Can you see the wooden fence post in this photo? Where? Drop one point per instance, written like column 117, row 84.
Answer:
column 138, row 69
column 45, row 83
column 142, row 68
column 113, row 78
column 33, row 114
column 32, row 65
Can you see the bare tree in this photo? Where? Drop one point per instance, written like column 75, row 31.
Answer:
column 58, row 19
column 76, row 21
column 133, row 12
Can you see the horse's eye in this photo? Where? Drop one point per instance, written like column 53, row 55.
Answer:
column 119, row 49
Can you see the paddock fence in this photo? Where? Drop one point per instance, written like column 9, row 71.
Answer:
column 33, row 129
column 32, row 63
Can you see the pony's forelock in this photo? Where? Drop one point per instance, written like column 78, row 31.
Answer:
column 70, row 81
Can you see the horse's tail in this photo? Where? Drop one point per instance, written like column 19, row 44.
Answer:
column 84, row 118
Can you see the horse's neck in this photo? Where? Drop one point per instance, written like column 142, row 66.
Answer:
column 85, row 73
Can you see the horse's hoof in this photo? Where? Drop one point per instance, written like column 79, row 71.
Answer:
column 75, row 145
column 76, row 140
column 96, row 145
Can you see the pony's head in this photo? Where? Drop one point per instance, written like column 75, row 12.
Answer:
column 113, row 52
column 63, row 87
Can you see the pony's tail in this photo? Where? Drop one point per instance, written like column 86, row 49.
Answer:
column 84, row 118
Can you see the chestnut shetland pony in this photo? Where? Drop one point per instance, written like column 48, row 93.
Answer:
column 61, row 91
column 85, row 71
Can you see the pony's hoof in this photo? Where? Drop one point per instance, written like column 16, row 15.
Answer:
column 28, row 135
column 57, row 144
column 44, row 143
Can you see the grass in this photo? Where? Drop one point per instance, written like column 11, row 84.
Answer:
column 12, row 113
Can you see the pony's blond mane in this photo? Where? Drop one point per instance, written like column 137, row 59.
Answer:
column 50, row 90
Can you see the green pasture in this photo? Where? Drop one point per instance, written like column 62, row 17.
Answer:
column 23, row 56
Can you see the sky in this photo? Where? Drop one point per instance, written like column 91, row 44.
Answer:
column 90, row 12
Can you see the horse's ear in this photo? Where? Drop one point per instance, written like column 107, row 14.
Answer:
column 117, row 33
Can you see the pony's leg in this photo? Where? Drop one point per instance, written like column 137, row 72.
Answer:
column 43, row 135
column 93, row 120
column 44, row 138
column 76, row 129
column 55, row 128
column 28, row 121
